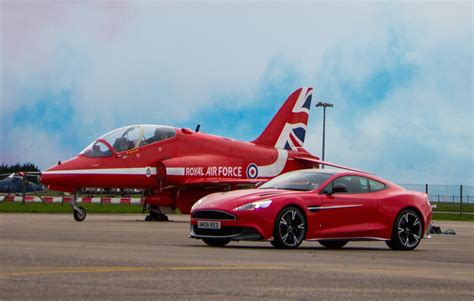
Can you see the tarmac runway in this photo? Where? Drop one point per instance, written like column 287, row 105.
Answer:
column 50, row 256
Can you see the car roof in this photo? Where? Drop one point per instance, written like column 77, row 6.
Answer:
column 336, row 171
column 331, row 171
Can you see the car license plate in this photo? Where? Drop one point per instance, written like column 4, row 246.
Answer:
column 209, row 225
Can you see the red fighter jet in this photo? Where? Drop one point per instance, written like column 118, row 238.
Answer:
column 178, row 166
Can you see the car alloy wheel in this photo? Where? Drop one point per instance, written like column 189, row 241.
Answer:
column 290, row 228
column 407, row 231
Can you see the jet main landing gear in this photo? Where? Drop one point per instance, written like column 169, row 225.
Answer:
column 155, row 214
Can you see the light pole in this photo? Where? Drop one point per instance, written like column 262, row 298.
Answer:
column 324, row 105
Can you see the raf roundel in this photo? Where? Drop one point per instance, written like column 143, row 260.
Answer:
column 252, row 171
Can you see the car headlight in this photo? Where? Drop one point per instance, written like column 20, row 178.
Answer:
column 199, row 202
column 255, row 205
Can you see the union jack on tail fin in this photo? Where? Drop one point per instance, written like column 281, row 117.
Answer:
column 287, row 129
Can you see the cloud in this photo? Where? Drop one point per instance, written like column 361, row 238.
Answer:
column 420, row 130
column 28, row 144
column 400, row 75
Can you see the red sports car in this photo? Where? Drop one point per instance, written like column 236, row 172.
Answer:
column 332, row 207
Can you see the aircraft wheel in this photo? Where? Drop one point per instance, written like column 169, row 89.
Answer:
column 407, row 231
column 79, row 214
column 216, row 242
column 333, row 244
column 290, row 229
column 158, row 216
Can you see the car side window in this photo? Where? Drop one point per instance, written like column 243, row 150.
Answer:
column 354, row 184
column 376, row 185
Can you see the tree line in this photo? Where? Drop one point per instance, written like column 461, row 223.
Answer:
column 6, row 168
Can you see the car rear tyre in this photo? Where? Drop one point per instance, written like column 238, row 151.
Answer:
column 333, row 244
column 290, row 229
column 407, row 231
column 216, row 242
column 389, row 244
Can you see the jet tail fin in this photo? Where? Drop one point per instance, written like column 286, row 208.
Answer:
column 287, row 129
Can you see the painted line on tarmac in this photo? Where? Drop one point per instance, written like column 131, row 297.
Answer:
column 75, row 270
column 134, row 269
column 209, row 268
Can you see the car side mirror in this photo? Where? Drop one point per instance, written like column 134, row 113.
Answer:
column 339, row 188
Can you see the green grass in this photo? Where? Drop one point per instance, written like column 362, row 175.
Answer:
column 10, row 207
column 453, row 207
column 453, row 217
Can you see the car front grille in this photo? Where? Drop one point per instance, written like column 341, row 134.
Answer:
column 227, row 231
column 224, row 231
column 213, row 215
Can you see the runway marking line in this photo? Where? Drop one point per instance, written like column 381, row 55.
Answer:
column 134, row 269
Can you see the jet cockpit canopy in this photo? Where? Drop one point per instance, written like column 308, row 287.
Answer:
column 127, row 138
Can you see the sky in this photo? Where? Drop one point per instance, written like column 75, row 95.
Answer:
column 398, row 73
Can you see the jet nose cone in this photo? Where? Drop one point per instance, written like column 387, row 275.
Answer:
column 44, row 177
column 49, row 176
column 59, row 177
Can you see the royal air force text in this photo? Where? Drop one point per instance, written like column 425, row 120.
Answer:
column 214, row 171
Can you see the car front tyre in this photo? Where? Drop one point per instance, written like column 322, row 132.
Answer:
column 290, row 228
column 407, row 231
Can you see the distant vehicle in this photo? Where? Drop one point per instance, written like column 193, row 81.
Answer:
column 332, row 207
column 14, row 184
column 179, row 166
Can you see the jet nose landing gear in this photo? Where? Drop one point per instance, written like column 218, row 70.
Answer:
column 79, row 212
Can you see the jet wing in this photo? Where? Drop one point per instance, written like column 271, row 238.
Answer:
column 314, row 160
column 214, row 181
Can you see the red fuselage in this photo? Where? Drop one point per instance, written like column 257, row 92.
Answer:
column 183, row 163
column 178, row 166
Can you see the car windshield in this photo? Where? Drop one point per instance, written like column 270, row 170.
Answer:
column 300, row 180
column 127, row 138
